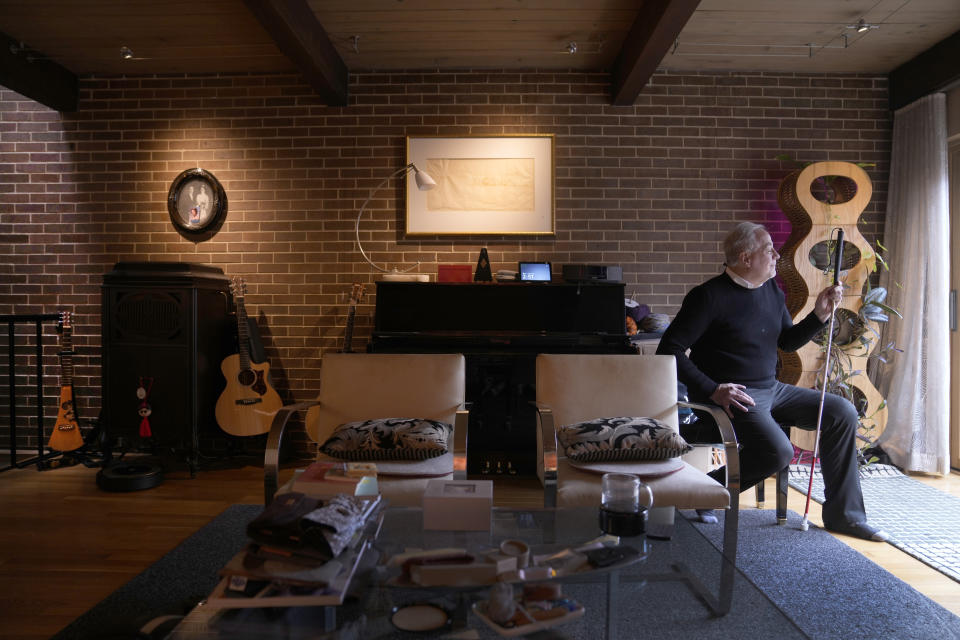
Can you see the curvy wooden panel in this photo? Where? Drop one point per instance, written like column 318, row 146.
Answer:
column 804, row 268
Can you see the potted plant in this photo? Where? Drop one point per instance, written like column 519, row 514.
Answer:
column 853, row 349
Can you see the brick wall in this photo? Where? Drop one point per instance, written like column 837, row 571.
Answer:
column 651, row 187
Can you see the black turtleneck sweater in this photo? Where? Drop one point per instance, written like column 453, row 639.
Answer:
column 733, row 334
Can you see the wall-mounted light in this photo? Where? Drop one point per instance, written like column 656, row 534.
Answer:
column 126, row 53
column 571, row 47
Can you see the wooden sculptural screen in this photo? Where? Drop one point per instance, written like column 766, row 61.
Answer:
column 818, row 199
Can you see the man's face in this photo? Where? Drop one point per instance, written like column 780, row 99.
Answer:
column 761, row 265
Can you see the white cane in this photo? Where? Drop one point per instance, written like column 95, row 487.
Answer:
column 838, row 256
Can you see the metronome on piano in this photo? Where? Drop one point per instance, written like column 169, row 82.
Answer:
column 483, row 274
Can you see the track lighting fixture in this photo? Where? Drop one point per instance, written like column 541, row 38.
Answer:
column 862, row 26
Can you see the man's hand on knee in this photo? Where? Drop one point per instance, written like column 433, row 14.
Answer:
column 730, row 395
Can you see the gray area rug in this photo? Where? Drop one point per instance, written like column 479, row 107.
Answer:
column 826, row 588
column 830, row 590
column 922, row 521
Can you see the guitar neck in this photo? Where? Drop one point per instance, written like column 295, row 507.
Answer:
column 66, row 358
column 355, row 296
column 348, row 331
column 243, row 335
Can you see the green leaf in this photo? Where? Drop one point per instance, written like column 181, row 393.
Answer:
column 874, row 314
column 877, row 294
column 889, row 309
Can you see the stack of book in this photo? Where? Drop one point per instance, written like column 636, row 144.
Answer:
column 287, row 564
column 327, row 479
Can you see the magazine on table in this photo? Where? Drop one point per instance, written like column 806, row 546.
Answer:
column 272, row 575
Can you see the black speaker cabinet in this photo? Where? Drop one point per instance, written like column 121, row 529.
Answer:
column 166, row 328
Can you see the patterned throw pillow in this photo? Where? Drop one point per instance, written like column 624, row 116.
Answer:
column 389, row 439
column 620, row 440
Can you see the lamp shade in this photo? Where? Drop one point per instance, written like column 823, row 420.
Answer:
column 423, row 179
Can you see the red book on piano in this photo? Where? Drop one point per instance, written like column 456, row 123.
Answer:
column 454, row 273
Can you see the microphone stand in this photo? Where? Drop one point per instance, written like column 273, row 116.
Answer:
column 838, row 256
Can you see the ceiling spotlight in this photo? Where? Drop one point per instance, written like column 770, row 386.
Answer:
column 126, row 53
column 571, row 47
column 862, row 26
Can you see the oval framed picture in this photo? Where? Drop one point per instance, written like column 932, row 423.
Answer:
column 197, row 204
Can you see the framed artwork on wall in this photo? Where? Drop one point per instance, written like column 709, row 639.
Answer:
column 197, row 204
column 485, row 185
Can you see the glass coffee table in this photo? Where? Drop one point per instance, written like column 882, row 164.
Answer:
column 659, row 596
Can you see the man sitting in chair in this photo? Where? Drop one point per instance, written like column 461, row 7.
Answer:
column 732, row 324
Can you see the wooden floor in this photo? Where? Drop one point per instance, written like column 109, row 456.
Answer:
column 65, row 545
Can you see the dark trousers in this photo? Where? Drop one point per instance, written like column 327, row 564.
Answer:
column 765, row 448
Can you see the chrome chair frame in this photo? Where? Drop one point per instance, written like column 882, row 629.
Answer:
column 719, row 603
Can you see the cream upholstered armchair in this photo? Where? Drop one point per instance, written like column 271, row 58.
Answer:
column 574, row 388
column 362, row 386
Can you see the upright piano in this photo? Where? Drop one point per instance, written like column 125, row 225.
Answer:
column 500, row 328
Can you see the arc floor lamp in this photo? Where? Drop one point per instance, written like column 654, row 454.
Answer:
column 424, row 183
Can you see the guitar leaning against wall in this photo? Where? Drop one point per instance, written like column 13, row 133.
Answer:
column 66, row 433
column 355, row 295
column 248, row 403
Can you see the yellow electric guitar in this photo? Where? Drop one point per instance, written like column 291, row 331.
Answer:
column 66, row 433
column 247, row 405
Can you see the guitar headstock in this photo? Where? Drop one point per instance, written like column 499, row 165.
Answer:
column 238, row 287
column 356, row 293
column 64, row 322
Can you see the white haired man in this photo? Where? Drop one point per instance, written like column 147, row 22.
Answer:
column 732, row 325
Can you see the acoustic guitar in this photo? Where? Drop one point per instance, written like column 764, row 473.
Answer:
column 248, row 403
column 355, row 295
column 66, row 433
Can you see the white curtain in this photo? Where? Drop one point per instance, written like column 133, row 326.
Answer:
column 917, row 383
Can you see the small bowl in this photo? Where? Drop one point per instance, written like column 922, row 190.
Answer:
column 517, row 549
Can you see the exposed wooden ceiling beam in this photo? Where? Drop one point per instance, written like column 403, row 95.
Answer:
column 651, row 36
column 934, row 69
column 29, row 73
column 301, row 37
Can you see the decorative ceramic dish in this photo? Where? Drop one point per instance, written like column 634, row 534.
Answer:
column 420, row 617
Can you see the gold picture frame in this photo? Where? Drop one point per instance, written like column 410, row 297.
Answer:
column 486, row 185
